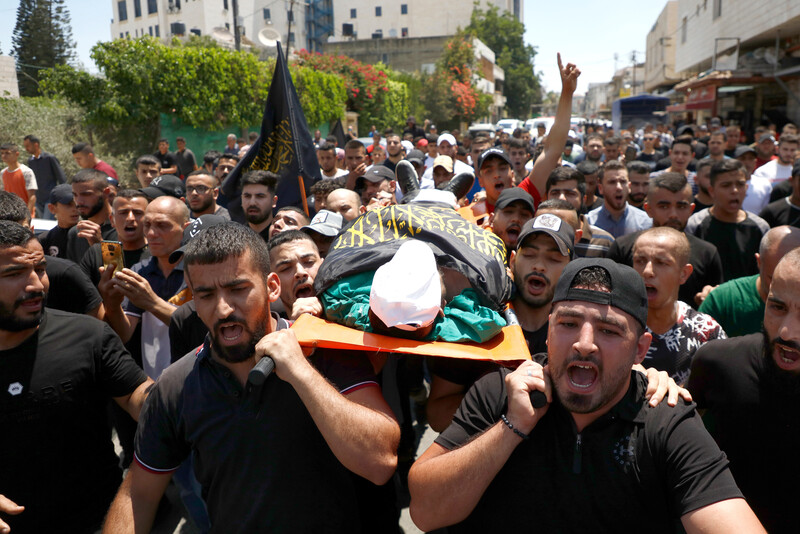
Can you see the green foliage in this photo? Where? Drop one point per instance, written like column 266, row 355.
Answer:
column 42, row 38
column 504, row 35
column 58, row 123
column 368, row 88
column 415, row 89
column 450, row 94
column 203, row 85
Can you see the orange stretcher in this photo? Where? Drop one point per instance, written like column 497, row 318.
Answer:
column 509, row 345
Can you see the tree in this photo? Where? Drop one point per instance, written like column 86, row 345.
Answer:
column 504, row 35
column 42, row 38
column 450, row 93
column 206, row 87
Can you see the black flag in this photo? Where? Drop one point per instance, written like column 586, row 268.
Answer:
column 284, row 147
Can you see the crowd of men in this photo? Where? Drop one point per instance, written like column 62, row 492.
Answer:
column 660, row 262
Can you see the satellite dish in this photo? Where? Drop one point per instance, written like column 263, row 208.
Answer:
column 269, row 37
column 223, row 36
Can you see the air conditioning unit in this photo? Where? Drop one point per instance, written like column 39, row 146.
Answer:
column 377, row 34
column 347, row 30
column 177, row 28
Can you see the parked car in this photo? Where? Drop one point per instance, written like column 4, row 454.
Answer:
column 509, row 125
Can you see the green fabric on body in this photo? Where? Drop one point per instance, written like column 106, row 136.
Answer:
column 347, row 302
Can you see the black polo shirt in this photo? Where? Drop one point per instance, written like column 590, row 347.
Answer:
column 186, row 330
column 755, row 418
column 261, row 461
column 635, row 468
column 703, row 256
column 54, row 241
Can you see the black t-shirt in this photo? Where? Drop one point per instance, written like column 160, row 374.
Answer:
column 700, row 206
column 754, row 417
column 70, row 288
column 537, row 340
column 186, row 330
column 634, row 466
column 56, row 454
column 650, row 159
column 737, row 243
column 702, row 255
column 93, row 259
column 167, row 160
column 259, row 441
column 77, row 246
column 781, row 190
column 781, row 212
column 54, row 241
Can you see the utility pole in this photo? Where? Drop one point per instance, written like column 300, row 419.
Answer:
column 237, row 38
column 633, row 60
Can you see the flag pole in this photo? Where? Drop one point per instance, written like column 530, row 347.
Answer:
column 303, row 194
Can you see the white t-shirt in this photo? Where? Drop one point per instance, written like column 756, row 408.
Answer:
column 339, row 172
column 774, row 171
column 757, row 197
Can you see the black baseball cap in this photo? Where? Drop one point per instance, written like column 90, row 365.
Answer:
column 191, row 231
column 61, row 194
column 555, row 227
column 416, row 156
column 494, row 152
column 164, row 185
column 514, row 194
column 375, row 174
column 627, row 287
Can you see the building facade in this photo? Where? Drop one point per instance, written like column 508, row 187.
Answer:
column 659, row 65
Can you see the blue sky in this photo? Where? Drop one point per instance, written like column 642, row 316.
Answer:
column 586, row 32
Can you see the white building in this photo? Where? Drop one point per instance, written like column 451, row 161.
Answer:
column 368, row 19
column 301, row 24
column 659, row 65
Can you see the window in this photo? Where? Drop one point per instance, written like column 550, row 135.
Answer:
column 157, row 34
column 267, row 15
column 123, row 11
column 683, row 30
column 291, row 37
column 137, row 8
column 378, row 11
column 225, row 5
column 404, row 32
column 150, row 29
column 352, row 13
column 717, row 12
column 404, row 9
column 290, row 16
column 152, row 6
column 121, row 35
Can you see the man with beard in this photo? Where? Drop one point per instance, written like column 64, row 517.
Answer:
column 735, row 232
column 295, row 259
column 702, row 199
column 593, row 150
column 568, row 185
column 595, row 456
column 258, row 200
column 92, row 191
column 779, row 170
column 58, row 372
column 202, row 190
column 669, row 203
column 513, row 209
column 749, row 388
column 639, row 180
column 616, row 216
column 308, row 429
